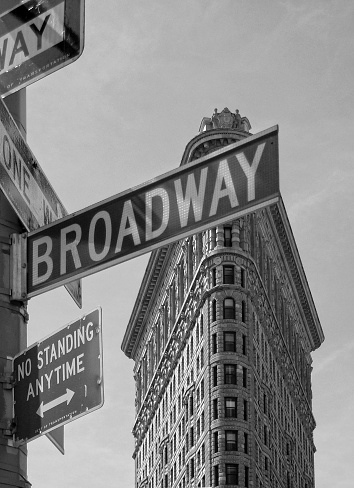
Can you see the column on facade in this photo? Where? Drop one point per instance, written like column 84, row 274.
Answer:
column 235, row 234
column 212, row 238
column 190, row 260
column 199, row 247
column 219, row 236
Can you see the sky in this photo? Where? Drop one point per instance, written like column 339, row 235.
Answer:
column 123, row 114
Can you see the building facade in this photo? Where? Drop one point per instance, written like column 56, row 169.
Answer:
column 221, row 335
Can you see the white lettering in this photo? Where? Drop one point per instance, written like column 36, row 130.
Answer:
column 48, row 378
column 32, row 38
column 53, row 354
column 30, row 391
column 24, row 369
column 95, row 256
column 223, row 176
column 44, row 258
column 132, row 229
column 40, row 360
column 192, row 196
column 250, row 170
column 80, row 367
column 89, row 332
column 161, row 193
column 69, row 343
column 66, row 247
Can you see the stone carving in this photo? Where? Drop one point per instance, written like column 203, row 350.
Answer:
column 228, row 120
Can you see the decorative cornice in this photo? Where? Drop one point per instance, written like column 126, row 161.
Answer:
column 212, row 140
column 288, row 244
column 143, row 301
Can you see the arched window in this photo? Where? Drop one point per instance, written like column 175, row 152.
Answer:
column 229, row 308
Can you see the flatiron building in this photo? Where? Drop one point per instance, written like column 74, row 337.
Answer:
column 221, row 335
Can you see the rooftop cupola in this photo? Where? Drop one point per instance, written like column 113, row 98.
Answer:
column 216, row 132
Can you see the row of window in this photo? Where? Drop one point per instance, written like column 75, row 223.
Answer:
column 229, row 342
column 230, row 375
column 232, row 441
column 232, row 474
column 228, row 276
column 229, row 310
column 230, row 408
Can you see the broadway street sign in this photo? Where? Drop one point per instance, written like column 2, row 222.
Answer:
column 26, row 186
column 222, row 186
column 60, row 378
column 37, row 37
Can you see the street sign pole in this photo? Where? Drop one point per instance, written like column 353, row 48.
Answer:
column 13, row 333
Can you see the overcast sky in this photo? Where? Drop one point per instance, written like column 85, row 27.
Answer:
column 123, row 114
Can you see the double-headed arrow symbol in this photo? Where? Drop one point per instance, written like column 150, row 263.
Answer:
column 54, row 403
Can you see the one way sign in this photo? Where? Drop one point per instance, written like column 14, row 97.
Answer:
column 59, row 379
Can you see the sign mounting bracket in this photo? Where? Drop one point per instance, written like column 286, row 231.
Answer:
column 18, row 272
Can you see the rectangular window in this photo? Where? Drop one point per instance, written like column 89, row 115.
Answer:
column 231, row 407
column 227, row 237
column 214, row 343
column 244, row 345
column 243, row 310
column 230, row 374
column 229, row 275
column 247, row 476
column 216, row 442
column 231, row 440
column 243, row 278
column 192, row 436
column 229, row 308
column 213, row 276
column 202, row 389
column 215, row 409
column 213, row 311
column 216, row 475
column 192, row 468
column 245, row 410
column 231, row 474
column 245, row 443
column 244, row 377
column 215, row 375
column 230, row 341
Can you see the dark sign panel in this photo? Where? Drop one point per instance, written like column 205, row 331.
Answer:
column 38, row 37
column 226, row 184
column 60, row 378
column 26, row 186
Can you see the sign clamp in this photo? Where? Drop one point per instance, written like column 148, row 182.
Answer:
column 18, row 274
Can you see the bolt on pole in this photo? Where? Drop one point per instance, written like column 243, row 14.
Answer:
column 13, row 329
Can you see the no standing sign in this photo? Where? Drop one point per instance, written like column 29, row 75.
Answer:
column 60, row 378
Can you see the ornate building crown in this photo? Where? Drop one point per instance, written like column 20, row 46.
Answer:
column 225, row 120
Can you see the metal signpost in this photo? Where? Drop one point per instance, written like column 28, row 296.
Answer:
column 26, row 186
column 59, row 379
column 226, row 184
column 38, row 38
